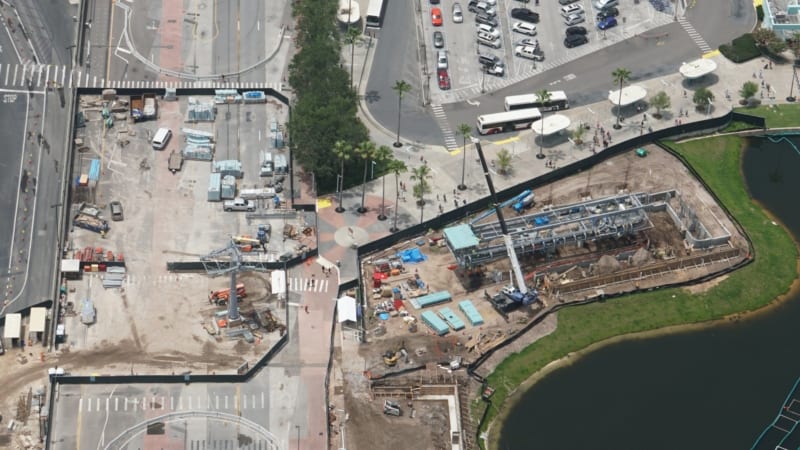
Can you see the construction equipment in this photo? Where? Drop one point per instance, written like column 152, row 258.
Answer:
column 143, row 107
column 390, row 358
column 391, row 408
column 90, row 223
column 220, row 297
column 519, row 295
column 175, row 161
column 228, row 261
column 264, row 232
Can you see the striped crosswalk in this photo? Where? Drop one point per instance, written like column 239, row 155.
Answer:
column 296, row 284
column 308, row 284
column 213, row 401
column 444, row 125
column 696, row 37
column 40, row 76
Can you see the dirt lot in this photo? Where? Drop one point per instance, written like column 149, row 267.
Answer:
column 656, row 172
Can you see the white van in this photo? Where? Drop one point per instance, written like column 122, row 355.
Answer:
column 569, row 10
column 161, row 138
column 488, row 40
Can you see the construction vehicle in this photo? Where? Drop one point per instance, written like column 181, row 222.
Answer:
column 390, row 358
column 526, row 202
column 143, row 107
column 391, row 408
column 512, row 296
column 90, row 223
column 175, row 161
column 239, row 204
column 264, row 232
column 220, row 297
column 247, row 243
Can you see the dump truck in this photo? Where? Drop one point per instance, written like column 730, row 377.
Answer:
column 175, row 161
column 90, row 223
column 239, row 204
column 143, row 107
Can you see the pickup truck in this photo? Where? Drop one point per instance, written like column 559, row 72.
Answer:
column 239, row 204
column 143, row 107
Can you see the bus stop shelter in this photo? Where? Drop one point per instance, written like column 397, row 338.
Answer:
column 697, row 68
column 630, row 95
column 552, row 124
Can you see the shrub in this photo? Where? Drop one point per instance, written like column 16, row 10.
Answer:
column 742, row 49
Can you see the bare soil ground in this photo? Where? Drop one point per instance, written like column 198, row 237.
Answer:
column 656, row 172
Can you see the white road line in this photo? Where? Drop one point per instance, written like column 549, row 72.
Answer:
column 216, row 402
column 262, row 399
column 64, row 74
column 135, row 404
column 8, row 70
column 253, row 400
column 108, row 400
column 80, row 404
column 98, row 403
column 116, row 403
column 39, row 76
column 180, row 403
column 226, row 402
column 16, row 68
column 171, row 403
column 244, row 402
column 144, row 403
column 163, row 402
column 126, row 403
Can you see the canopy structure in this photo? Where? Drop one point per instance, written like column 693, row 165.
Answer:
column 13, row 329
column 697, row 68
column 552, row 124
column 346, row 309
column 37, row 320
column 630, row 95
column 349, row 12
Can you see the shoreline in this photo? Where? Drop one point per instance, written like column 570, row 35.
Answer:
column 514, row 396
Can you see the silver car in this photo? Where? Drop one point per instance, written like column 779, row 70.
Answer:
column 458, row 15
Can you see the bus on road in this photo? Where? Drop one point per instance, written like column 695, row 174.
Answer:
column 375, row 13
column 558, row 101
column 507, row 121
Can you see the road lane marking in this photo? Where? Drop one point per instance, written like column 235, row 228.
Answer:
column 108, row 400
column 126, row 403
column 262, row 399
column 163, row 402
column 180, row 403
column 80, row 404
column 216, row 401
column 171, row 403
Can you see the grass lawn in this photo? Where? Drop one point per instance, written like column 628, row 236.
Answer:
column 717, row 160
column 778, row 116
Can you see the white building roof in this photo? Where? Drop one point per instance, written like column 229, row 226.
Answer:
column 37, row 320
column 630, row 95
column 13, row 327
column 552, row 124
column 278, row 282
column 346, row 309
column 698, row 68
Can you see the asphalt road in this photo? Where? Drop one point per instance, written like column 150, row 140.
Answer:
column 586, row 80
column 50, row 28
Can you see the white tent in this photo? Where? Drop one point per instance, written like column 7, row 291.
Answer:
column 13, row 328
column 697, row 68
column 553, row 124
column 278, row 282
column 630, row 95
column 37, row 320
column 346, row 309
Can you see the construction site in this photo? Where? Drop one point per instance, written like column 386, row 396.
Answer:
column 636, row 222
column 177, row 207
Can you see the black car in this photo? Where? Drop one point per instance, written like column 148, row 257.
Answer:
column 576, row 30
column 486, row 19
column 434, row 2
column 438, row 39
column 607, row 12
column 525, row 14
column 488, row 60
column 574, row 40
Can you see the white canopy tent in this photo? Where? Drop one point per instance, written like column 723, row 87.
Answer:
column 630, row 95
column 552, row 124
column 697, row 68
column 346, row 309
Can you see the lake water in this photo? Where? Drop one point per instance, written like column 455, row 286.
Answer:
column 712, row 389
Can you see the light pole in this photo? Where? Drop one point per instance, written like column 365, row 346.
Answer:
column 339, row 183
column 462, row 186
column 298, row 436
column 791, row 97
column 708, row 107
column 372, row 170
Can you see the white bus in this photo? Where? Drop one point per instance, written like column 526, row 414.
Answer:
column 507, row 121
column 375, row 13
column 558, row 100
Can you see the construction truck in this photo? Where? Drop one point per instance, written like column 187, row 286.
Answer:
column 239, row 204
column 143, row 107
column 175, row 161
column 391, row 408
column 220, row 297
column 90, row 223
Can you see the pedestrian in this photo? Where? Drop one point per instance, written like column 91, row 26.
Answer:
column 338, row 263
column 441, row 210
column 762, row 82
column 684, row 91
column 455, row 202
column 444, row 197
column 465, row 202
column 421, row 158
column 644, row 117
column 437, row 197
column 306, row 309
column 454, row 192
column 760, row 73
column 770, row 64
column 605, row 143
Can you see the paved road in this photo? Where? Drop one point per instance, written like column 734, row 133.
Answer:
column 587, row 79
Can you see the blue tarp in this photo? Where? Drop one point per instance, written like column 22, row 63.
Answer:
column 94, row 170
column 412, row 255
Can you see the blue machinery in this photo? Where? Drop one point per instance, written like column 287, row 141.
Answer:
column 614, row 216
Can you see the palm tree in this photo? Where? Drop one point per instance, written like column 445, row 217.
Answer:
column 398, row 167
column 351, row 38
column 544, row 98
column 401, row 87
column 383, row 154
column 342, row 150
column 421, row 175
column 366, row 150
column 620, row 75
column 504, row 161
column 464, row 130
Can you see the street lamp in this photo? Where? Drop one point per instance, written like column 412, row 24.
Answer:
column 339, row 183
column 298, row 436
column 372, row 170
column 791, row 97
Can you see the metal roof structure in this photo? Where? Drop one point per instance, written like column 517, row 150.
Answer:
column 549, row 125
column 697, row 68
column 13, row 327
column 460, row 237
column 37, row 320
column 630, row 95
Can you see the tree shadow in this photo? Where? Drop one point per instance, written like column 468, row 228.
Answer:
column 372, row 96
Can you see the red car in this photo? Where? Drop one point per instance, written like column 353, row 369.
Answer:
column 444, row 79
column 436, row 17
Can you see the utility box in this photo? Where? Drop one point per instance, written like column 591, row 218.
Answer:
column 228, row 187
column 214, row 187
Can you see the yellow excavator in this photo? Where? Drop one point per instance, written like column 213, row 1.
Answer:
column 391, row 357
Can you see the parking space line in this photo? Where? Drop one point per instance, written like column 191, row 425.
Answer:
column 180, row 403
column 108, row 401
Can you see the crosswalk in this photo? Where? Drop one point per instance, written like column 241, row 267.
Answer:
column 444, row 125
column 308, row 285
column 40, row 76
column 696, row 37
column 211, row 402
column 296, row 284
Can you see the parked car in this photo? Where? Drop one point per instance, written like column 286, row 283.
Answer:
column 575, row 40
column 438, row 39
column 489, row 40
column 239, row 204
column 604, row 4
column 444, row 79
column 498, row 69
column 607, row 12
column 436, row 17
column 608, row 22
column 483, row 7
column 528, row 41
column 482, row 35
column 524, row 28
column 116, row 211
column 529, row 52
column 566, row 2
column 569, row 10
column 435, row 2
column 458, row 14
column 486, row 20
column 574, row 19
column 488, row 29
column 488, row 60
column 441, row 60
column 525, row 14
column 576, row 30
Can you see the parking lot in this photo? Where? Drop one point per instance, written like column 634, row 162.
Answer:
column 460, row 42
column 168, row 217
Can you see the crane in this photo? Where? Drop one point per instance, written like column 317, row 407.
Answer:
column 229, row 261
column 519, row 295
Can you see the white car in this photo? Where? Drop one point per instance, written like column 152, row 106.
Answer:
column 600, row 4
column 529, row 52
column 569, row 10
column 524, row 28
column 488, row 29
column 441, row 60
column 574, row 19
column 458, row 15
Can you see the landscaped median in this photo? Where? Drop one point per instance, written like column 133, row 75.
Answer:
column 717, row 160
